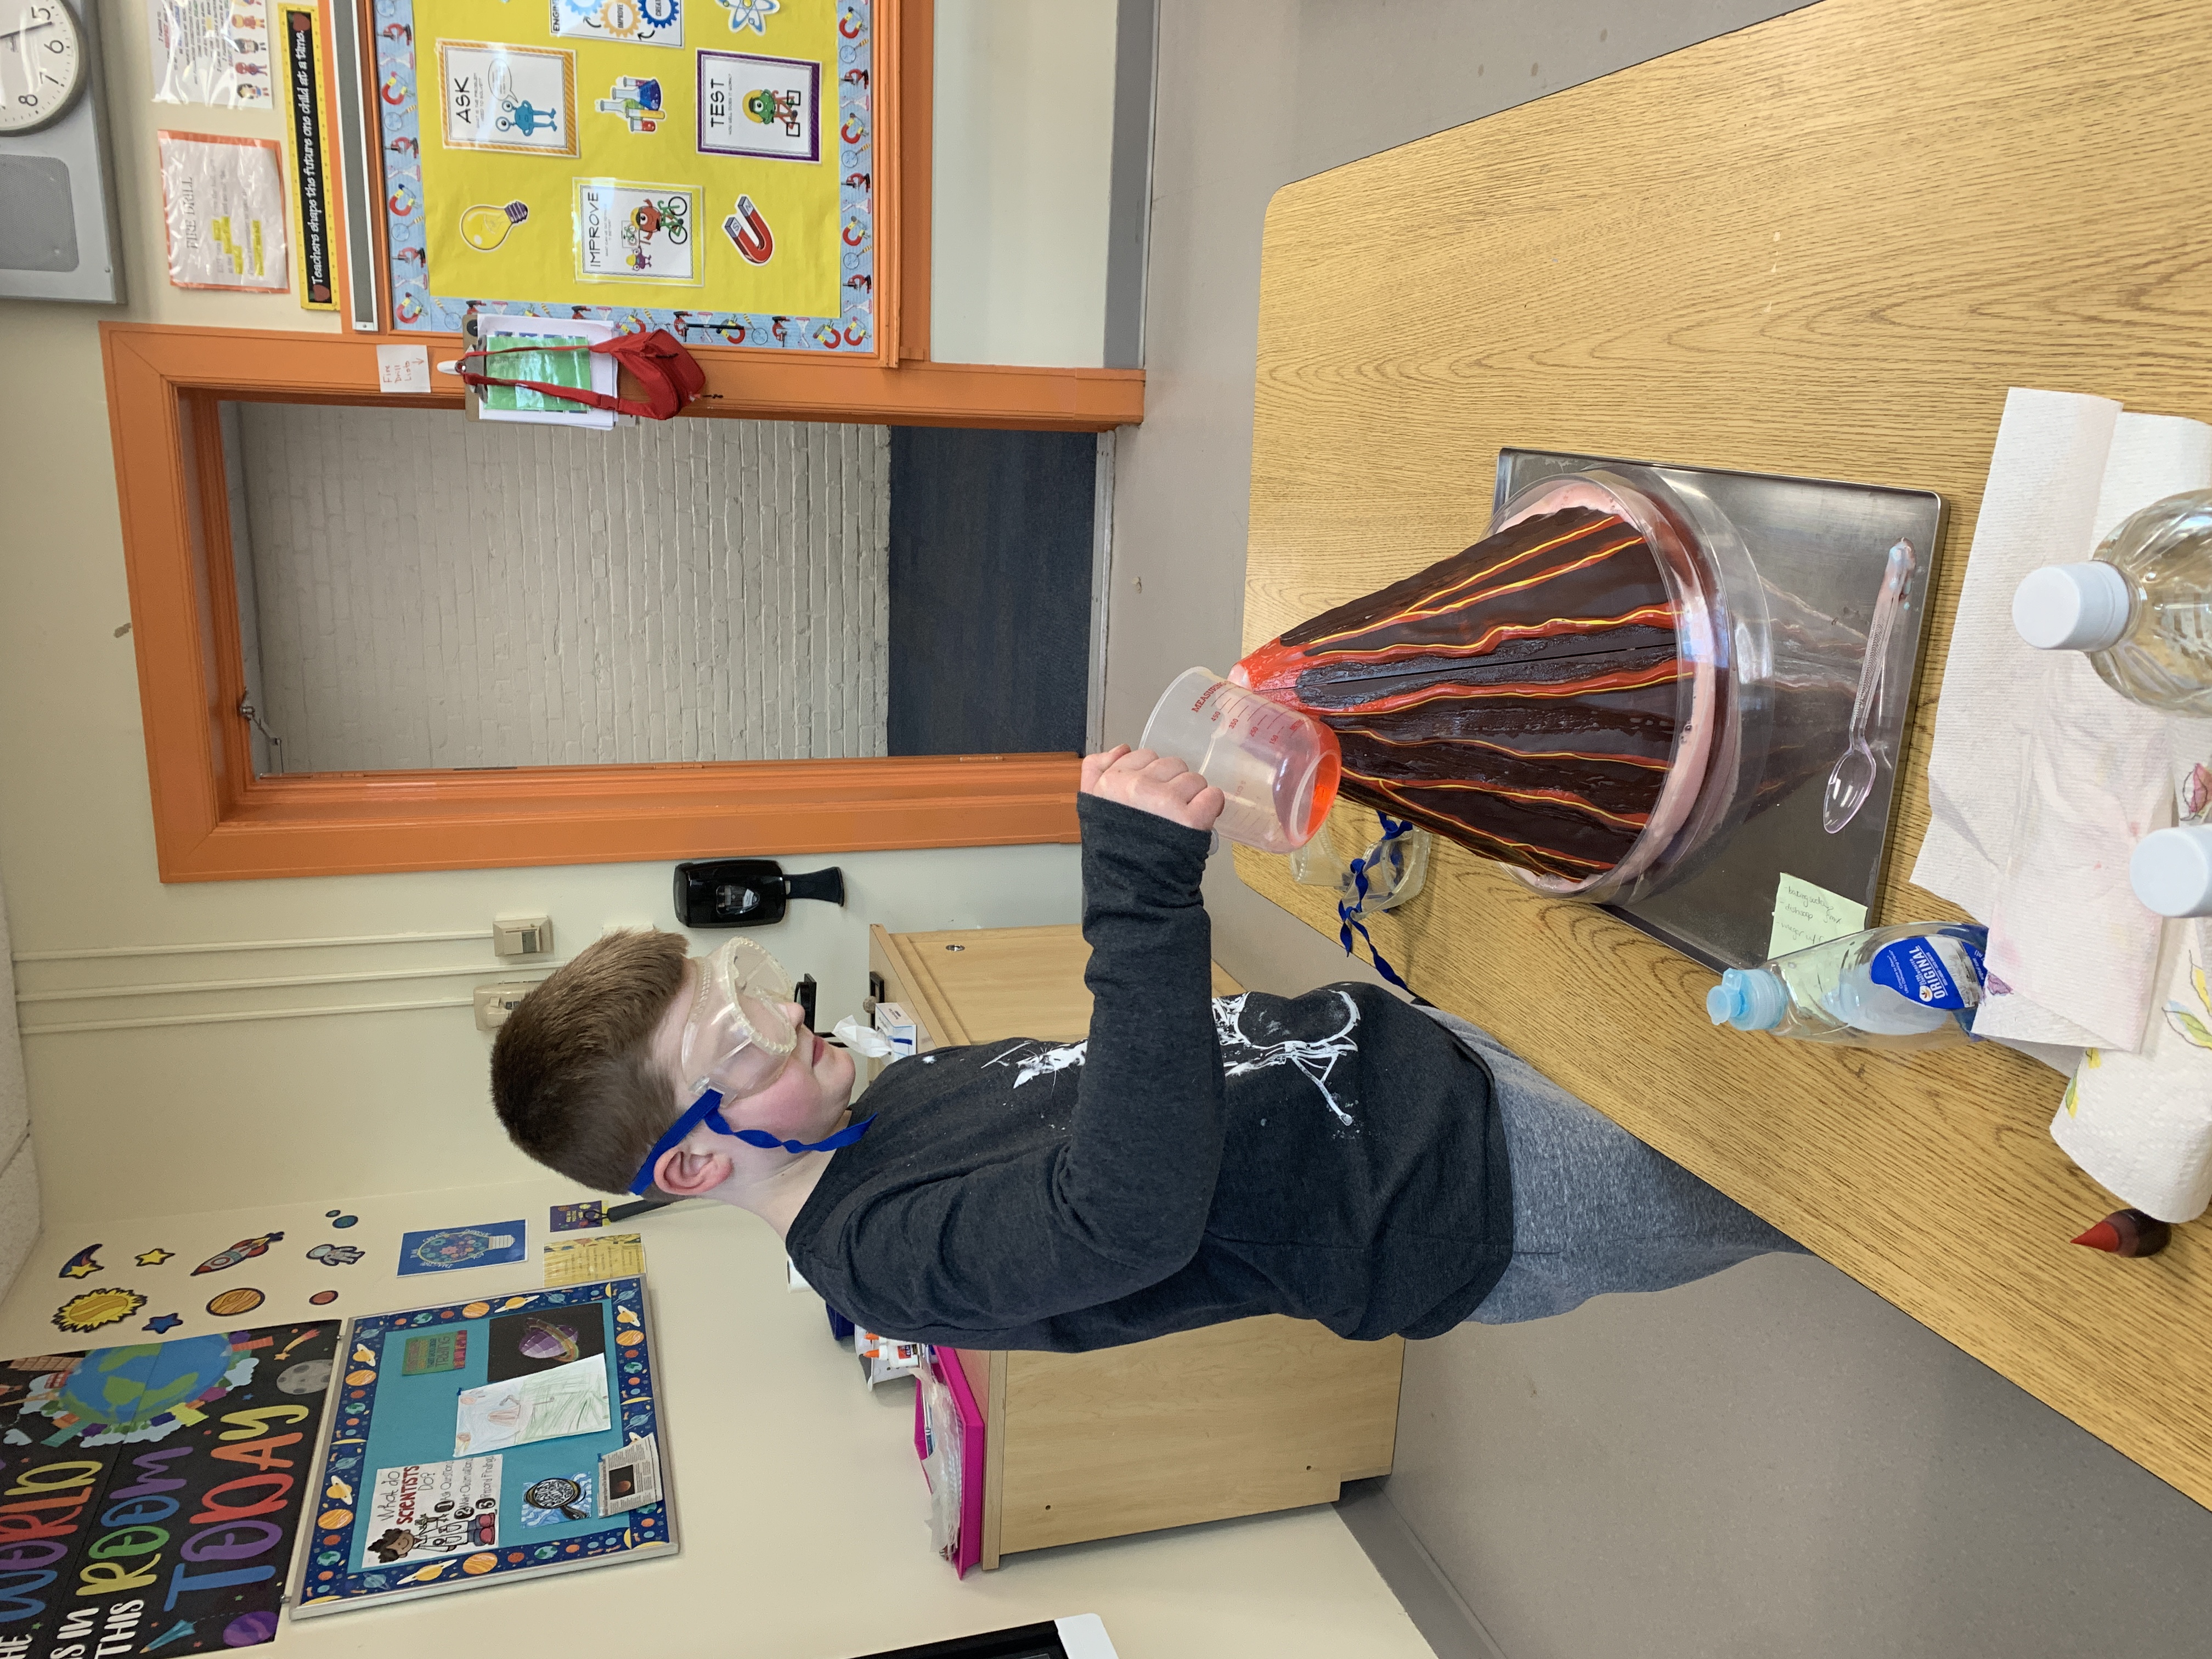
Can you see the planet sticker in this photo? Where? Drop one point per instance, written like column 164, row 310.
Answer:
column 480, row 1563
column 339, row 1219
column 95, row 1309
column 243, row 1299
column 309, row 1377
column 250, row 1629
column 323, row 1298
column 542, row 1339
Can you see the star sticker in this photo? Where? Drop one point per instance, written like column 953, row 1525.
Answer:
column 163, row 1322
column 82, row 1265
column 153, row 1258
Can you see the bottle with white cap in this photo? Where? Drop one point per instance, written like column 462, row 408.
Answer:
column 2142, row 607
column 2171, row 870
column 1911, row 986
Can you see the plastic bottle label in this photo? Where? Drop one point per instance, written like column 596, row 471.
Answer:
column 1937, row 970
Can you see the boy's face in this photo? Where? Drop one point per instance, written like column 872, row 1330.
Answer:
column 812, row 1086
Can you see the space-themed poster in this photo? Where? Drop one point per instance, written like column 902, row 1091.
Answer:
column 150, row 1494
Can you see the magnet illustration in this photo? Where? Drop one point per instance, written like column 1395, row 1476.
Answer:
column 245, row 1250
column 749, row 232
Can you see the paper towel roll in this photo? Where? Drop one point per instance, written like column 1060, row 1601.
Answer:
column 2141, row 1124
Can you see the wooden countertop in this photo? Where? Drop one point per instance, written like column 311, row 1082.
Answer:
column 1823, row 246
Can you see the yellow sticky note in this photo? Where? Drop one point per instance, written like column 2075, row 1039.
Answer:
column 1805, row 915
column 581, row 1261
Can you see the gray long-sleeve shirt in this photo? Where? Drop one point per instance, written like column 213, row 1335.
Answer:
column 1334, row 1157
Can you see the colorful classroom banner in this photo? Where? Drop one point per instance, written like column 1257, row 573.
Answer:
column 305, row 99
column 700, row 166
column 150, row 1495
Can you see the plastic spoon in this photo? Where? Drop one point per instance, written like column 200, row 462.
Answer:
column 1851, row 780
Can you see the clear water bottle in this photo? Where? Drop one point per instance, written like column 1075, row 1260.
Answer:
column 1912, row 986
column 2141, row 608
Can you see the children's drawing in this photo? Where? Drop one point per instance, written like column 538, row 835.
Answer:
column 82, row 1265
column 226, row 1304
column 1243, row 1052
column 245, row 1250
column 95, row 1309
column 547, row 1405
column 334, row 1255
column 153, row 1258
column 443, row 1249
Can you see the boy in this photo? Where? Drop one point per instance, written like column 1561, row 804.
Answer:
column 1342, row 1156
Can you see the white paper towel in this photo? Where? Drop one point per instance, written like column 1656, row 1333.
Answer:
column 2140, row 1125
column 2066, row 932
column 2039, row 508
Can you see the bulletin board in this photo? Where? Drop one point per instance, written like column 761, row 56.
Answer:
column 700, row 166
column 464, row 1449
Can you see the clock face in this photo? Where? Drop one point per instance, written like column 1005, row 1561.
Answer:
column 42, row 66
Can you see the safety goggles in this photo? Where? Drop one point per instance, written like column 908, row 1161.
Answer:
column 737, row 1039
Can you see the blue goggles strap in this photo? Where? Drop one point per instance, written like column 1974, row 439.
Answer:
column 705, row 1109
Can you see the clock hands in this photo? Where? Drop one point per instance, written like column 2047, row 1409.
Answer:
column 43, row 23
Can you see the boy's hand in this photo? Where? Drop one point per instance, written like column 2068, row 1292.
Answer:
column 1158, row 784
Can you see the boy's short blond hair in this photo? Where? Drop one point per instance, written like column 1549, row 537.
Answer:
column 573, row 1074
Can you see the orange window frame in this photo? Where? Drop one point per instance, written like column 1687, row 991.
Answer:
column 215, row 820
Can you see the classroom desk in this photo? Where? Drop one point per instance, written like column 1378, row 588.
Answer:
column 1822, row 246
column 1241, row 1418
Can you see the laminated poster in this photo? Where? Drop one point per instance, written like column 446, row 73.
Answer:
column 211, row 51
column 223, row 199
column 151, row 1494
column 419, row 1510
column 305, row 102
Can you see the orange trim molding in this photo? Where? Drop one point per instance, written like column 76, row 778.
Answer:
column 215, row 821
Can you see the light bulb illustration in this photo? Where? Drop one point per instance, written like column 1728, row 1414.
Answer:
column 484, row 226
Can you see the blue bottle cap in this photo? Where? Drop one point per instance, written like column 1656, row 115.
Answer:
column 1747, row 999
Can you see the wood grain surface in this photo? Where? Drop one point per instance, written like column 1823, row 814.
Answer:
column 1823, row 246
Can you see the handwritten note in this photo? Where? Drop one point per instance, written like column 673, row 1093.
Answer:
column 403, row 368
column 1805, row 915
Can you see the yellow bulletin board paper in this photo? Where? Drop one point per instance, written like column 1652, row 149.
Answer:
column 592, row 138
column 581, row 1261
column 1805, row 915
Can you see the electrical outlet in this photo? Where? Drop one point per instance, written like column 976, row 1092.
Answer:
column 521, row 936
column 497, row 1001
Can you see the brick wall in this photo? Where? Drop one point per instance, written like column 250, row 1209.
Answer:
column 433, row 592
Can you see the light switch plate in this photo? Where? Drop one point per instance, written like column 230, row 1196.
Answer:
column 521, row 936
column 497, row 1001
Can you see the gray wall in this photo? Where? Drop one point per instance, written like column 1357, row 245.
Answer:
column 1773, row 1462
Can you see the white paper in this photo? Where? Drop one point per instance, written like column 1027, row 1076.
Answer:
column 224, row 201
column 403, row 368
column 416, row 1510
column 629, row 1476
column 211, row 51
column 625, row 22
column 547, row 1405
column 604, row 370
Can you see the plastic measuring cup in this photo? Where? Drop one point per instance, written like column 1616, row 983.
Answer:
column 1277, row 767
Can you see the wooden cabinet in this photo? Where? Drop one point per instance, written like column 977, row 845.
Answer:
column 1238, row 1420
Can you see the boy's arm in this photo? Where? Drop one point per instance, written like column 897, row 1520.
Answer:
column 1123, row 1203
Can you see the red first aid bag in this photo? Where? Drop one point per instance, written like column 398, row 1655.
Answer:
column 670, row 375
